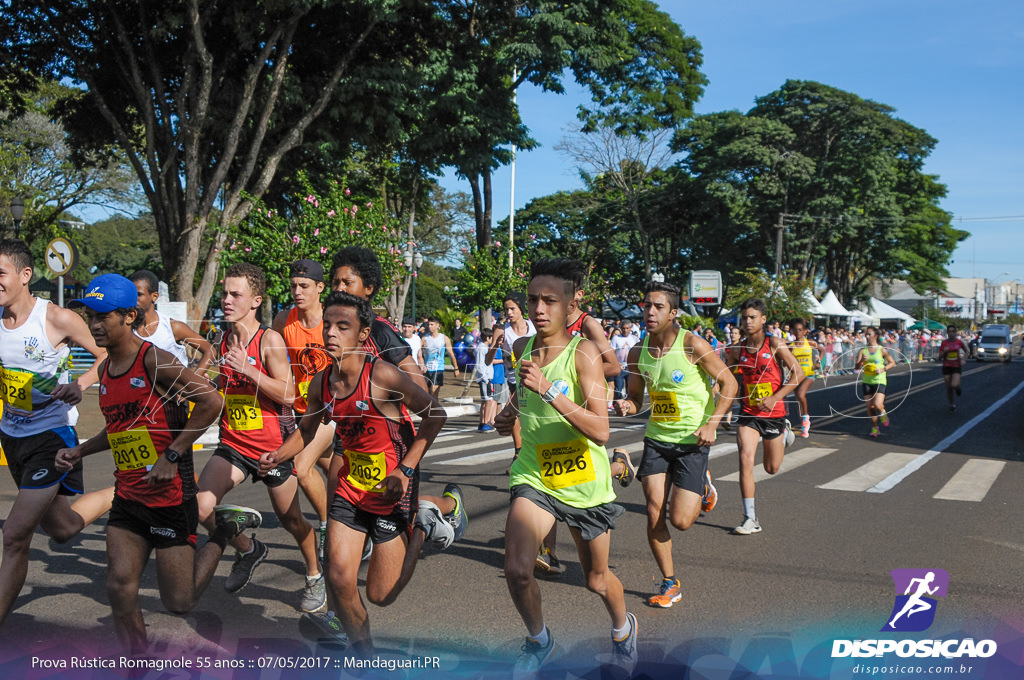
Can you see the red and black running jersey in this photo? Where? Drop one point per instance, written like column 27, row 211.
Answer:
column 949, row 350
column 762, row 377
column 141, row 424
column 251, row 423
column 576, row 327
column 373, row 444
column 386, row 342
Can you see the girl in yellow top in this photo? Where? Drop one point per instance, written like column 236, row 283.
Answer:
column 803, row 349
column 874, row 362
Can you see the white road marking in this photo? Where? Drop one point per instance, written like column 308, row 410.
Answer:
column 869, row 474
column 919, row 461
column 972, row 481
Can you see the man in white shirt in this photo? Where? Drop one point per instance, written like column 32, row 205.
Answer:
column 621, row 344
column 410, row 335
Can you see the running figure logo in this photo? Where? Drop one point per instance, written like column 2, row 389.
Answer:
column 914, row 609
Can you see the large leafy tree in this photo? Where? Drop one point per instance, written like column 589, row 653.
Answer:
column 639, row 67
column 205, row 98
column 842, row 176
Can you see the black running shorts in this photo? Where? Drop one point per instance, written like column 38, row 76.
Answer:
column 769, row 428
column 32, row 461
column 251, row 467
column 381, row 528
column 166, row 527
column 686, row 464
column 868, row 391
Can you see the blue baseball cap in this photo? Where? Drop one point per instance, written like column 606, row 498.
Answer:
column 108, row 292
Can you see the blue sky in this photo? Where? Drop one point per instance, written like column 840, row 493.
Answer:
column 954, row 69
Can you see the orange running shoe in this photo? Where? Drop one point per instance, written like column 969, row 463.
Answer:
column 710, row 499
column 669, row 592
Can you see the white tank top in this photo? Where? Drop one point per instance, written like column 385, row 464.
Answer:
column 30, row 369
column 510, row 339
column 433, row 352
column 163, row 337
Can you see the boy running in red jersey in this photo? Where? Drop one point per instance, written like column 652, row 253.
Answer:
column 256, row 381
column 760, row 359
column 144, row 394
column 378, row 479
column 954, row 355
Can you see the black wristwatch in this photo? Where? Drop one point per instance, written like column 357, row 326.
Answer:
column 406, row 470
column 172, row 456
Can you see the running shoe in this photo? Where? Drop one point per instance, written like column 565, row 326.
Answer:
column 533, row 657
column 236, row 518
column 805, row 427
column 669, row 592
column 431, row 521
column 790, row 437
column 710, row 498
column 458, row 517
column 367, row 548
column 322, row 535
column 314, row 595
column 322, row 627
column 547, row 564
column 884, row 418
column 624, row 654
column 245, row 565
column 749, row 526
column 629, row 470
column 485, row 428
column 952, row 409
column 874, row 432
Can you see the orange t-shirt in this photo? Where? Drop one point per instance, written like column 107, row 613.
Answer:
column 306, row 354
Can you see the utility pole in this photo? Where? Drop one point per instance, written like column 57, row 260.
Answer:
column 781, row 226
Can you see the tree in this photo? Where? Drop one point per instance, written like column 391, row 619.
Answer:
column 641, row 71
column 119, row 245
column 38, row 164
column 204, row 98
column 785, row 297
column 318, row 226
column 841, row 174
column 628, row 165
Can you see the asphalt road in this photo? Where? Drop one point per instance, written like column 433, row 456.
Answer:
column 936, row 490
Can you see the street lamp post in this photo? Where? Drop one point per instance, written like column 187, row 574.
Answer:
column 413, row 262
column 18, row 213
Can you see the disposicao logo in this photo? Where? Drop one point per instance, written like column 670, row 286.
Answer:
column 914, row 610
column 916, row 593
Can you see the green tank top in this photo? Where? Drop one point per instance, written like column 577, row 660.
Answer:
column 681, row 397
column 556, row 458
column 873, row 369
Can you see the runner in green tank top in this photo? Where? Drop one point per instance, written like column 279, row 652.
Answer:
column 674, row 365
column 874, row 361
column 562, row 472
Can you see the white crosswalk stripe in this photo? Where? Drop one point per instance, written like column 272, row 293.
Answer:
column 869, row 474
column 972, row 481
column 790, row 462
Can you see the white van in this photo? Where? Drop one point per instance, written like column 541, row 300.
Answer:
column 995, row 343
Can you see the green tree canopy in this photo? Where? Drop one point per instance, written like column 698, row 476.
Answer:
column 842, row 174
